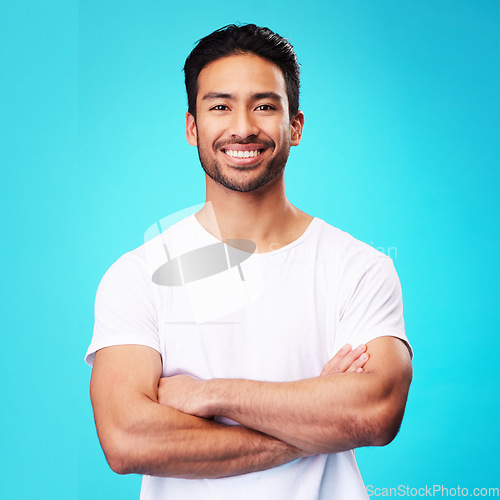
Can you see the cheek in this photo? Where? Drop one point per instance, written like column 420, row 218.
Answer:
column 208, row 133
column 282, row 132
column 284, row 138
column 203, row 140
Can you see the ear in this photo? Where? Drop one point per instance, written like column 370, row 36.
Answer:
column 297, row 126
column 191, row 132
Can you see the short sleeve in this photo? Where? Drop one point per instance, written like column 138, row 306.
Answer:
column 374, row 305
column 125, row 309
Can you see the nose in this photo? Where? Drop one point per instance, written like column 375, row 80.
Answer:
column 243, row 124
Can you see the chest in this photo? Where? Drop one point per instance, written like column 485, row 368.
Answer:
column 268, row 320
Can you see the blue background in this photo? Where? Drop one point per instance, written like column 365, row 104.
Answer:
column 400, row 149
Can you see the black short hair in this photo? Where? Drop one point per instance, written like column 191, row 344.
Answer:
column 244, row 39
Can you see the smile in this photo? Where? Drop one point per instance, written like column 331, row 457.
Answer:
column 242, row 154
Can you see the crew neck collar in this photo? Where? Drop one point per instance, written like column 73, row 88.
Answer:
column 298, row 241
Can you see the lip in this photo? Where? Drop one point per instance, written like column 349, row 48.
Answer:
column 244, row 147
column 244, row 162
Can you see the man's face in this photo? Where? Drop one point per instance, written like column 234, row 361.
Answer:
column 242, row 129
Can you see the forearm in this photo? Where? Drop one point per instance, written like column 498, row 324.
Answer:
column 138, row 435
column 165, row 442
column 325, row 414
column 302, row 413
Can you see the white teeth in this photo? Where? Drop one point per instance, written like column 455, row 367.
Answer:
column 242, row 154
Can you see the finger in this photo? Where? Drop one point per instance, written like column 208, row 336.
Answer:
column 333, row 366
column 344, row 359
column 353, row 357
column 358, row 365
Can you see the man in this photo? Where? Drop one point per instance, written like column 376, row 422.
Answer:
column 242, row 383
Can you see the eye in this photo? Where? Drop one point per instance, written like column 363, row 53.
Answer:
column 265, row 107
column 219, row 107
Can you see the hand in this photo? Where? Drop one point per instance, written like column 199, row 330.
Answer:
column 184, row 393
column 347, row 360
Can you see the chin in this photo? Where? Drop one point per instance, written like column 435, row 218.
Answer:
column 245, row 185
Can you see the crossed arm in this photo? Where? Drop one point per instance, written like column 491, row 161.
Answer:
column 155, row 426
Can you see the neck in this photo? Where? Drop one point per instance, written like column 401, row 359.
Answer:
column 264, row 216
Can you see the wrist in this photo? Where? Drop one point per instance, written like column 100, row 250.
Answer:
column 293, row 453
column 212, row 396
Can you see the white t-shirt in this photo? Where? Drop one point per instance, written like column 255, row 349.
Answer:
column 276, row 316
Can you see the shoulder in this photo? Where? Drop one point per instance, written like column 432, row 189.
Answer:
column 146, row 258
column 349, row 265
column 341, row 246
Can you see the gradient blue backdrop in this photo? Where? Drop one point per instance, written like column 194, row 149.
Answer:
column 401, row 99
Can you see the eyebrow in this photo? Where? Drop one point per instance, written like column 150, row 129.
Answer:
column 267, row 95
column 257, row 96
column 217, row 95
